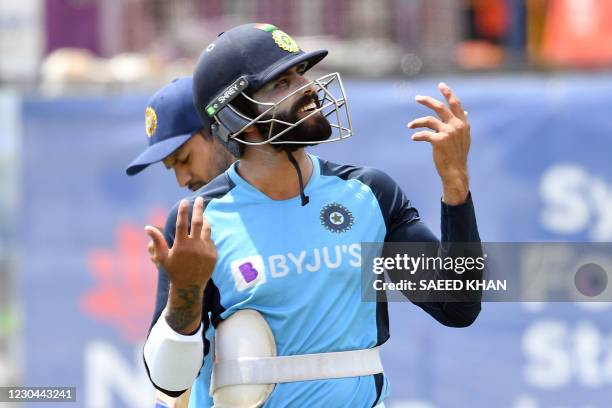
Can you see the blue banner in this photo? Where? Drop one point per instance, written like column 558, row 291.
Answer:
column 539, row 167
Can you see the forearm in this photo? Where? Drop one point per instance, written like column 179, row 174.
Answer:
column 455, row 188
column 458, row 222
column 460, row 239
column 184, row 308
column 461, row 242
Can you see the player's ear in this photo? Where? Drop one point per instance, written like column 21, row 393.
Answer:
column 252, row 134
column 206, row 135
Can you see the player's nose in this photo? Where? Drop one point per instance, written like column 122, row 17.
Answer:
column 183, row 178
column 310, row 90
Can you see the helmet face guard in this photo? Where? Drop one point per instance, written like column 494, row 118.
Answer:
column 230, row 124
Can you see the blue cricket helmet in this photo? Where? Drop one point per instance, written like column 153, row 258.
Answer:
column 242, row 59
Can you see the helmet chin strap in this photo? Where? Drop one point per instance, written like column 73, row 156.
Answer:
column 305, row 198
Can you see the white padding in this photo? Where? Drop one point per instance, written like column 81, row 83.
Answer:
column 245, row 334
column 246, row 367
column 303, row 367
column 174, row 359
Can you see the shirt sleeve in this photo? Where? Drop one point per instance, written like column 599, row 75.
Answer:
column 458, row 227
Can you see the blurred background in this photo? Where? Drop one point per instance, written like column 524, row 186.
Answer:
column 76, row 286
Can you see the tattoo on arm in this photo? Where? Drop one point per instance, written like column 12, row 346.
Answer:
column 186, row 310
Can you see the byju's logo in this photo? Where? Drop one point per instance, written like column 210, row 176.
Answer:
column 336, row 218
column 248, row 272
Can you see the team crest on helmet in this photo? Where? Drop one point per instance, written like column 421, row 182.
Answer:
column 150, row 121
column 284, row 41
column 336, row 218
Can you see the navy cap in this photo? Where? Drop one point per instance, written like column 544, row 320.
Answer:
column 244, row 58
column 170, row 120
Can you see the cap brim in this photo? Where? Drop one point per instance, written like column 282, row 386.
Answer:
column 156, row 152
column 312, row 58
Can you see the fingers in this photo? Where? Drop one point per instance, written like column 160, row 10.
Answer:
column 182, row 220
column 424, row 136
column 158, row 248
column 428, row 122
column 453, row 101
column 152, row 253
column 206, row 230
column 440, row 108
column 197, row 215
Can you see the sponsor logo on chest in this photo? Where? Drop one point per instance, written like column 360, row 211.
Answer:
column 256, row 269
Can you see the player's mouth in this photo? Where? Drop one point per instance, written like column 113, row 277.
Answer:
column 308, row 108
column 307, row 104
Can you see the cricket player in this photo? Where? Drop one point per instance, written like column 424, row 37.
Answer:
column 177, row 137
column 264, row 302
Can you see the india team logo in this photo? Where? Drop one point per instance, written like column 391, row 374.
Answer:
column 248, row 272
column 281, row 38
column 336, row 218
column 284, row 41
column 150, row 121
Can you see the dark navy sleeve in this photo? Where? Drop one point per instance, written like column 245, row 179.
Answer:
column 458, row 226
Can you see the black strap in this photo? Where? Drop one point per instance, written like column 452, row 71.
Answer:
column 305, row 198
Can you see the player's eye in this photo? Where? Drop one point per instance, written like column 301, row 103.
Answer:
column 281, row 83
column 184, row 160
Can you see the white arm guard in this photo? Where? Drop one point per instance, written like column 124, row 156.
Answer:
column 173, row 359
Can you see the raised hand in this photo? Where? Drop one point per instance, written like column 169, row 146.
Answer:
column 188, row 264
column 450, row 140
